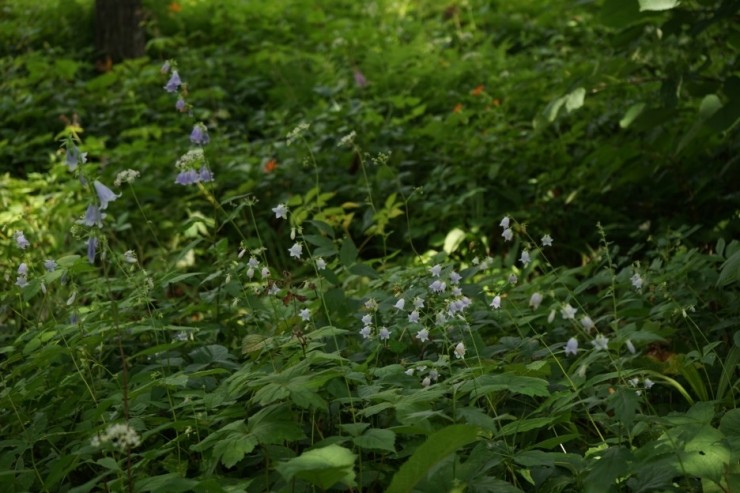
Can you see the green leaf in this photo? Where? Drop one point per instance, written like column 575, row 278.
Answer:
column 322, row 467
column 575, row 99
column 619, row 14
column 612, row 464
column 453, row 240
column 348, row 253
column 730, row 270
column 233, row 448
column 364, row 270
column 166, row 483
column 624, row 402
column 658, row 4
column 438, row 446
column 108, row 463
column 632, row 113
column 376, row 438
column 517, row 384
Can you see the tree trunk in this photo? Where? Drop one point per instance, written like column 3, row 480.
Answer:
column 119, row 34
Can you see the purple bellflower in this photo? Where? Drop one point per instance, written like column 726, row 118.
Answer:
column 174, row 83
column 199, row 135
column 92, row 248
column 105, row 194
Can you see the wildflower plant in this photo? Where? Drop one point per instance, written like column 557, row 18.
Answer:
column 278, row 337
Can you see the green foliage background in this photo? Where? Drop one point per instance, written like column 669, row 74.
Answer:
column 563, row 115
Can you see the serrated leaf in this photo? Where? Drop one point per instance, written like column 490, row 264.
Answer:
column 323, row 467
column 378, row 439
column 438, row 446
column 233, row 448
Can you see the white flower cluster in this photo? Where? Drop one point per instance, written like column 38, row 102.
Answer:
column 121, row 436
column 191, row 159
column 297, row 132
column 126, row 176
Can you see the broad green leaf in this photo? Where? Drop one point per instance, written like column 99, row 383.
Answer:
column 619, row 14
column 658, row 4
column 575, row 99
column 438, row 446
column 348, row 252
column 323, row 467
column 166, row 483
column 233, row 448
column 624, row 402
column 632, row 113
column 612, row 464
column 506, row 382
column 453, row 240
column 377, row 438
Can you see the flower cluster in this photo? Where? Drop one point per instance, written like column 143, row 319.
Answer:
column 120, row 436
column 193, row 165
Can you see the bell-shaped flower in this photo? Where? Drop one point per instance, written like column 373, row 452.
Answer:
column 187, row 177
column 199, row 135
column 571, row 347
column 105, row 194
column 93, row 217
column 92, row 248
column 174, row 83
column 205, row 175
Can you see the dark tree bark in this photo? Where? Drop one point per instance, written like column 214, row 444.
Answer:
column 119, row 34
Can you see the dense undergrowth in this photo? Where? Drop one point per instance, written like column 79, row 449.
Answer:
column 372, row 246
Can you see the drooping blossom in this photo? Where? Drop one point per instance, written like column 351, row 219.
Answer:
column 384, row 334
column 496, row 302
column 460, row 350
column 93, row 217
column 73, row 157
column 437, row 286
column 205, row 175
column 92, row 248
column 546, row 241
column 20, row 240
column 525, row 259
column 571, row 347
column 296, row 250
column 400, row 304
column 105, row 194
column 535, row 300
column 630, row 347
column 199, row 135
column 174, row 83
